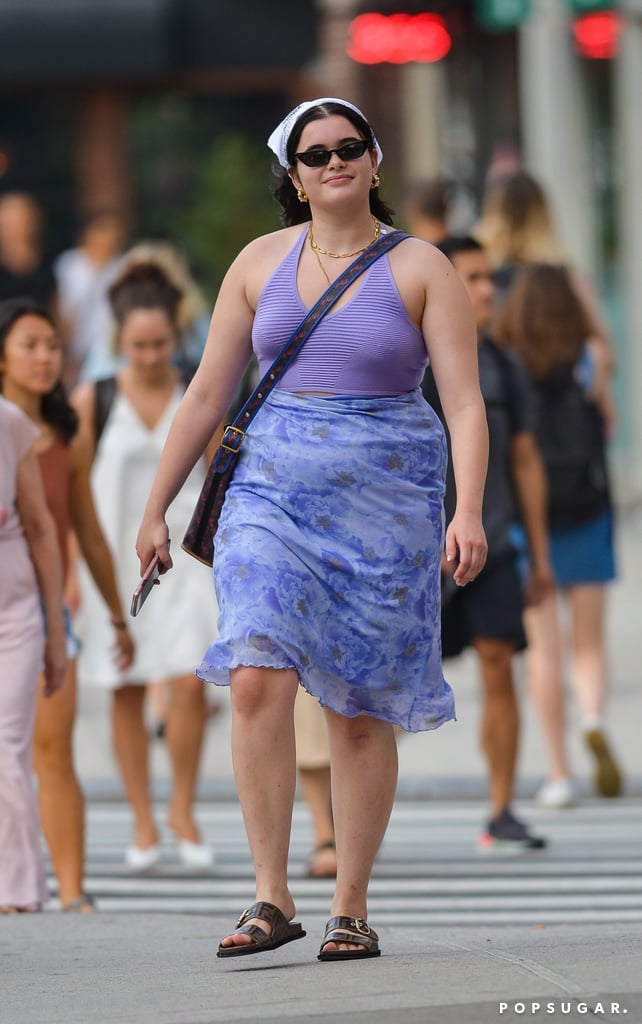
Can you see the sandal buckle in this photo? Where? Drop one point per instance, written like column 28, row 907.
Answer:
column 242, row 918
column 361, row 926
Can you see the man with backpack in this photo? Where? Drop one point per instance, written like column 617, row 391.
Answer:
column 487, row 614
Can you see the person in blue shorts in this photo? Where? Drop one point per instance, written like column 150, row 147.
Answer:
column 543, row 320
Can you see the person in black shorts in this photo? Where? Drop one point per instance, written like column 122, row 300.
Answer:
column 487, row 613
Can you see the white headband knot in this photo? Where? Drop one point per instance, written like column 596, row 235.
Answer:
column 278, row 140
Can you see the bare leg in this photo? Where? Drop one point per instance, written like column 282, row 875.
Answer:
column 544, row 660
column 589, row 649
column 317, row 793
column 313, row 763
column 131, row 745
column 500, row 720
column 589, row 681
column 364, row 779
column 185, row 730
column 263, row 755
column 62, row 807
column 158, row 698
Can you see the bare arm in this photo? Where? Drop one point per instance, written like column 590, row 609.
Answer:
column 451, row 337
column 95, row 550
column 601, row 392
column 529, row 478
column 40, row 532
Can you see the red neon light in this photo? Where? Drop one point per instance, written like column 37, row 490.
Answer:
column 597, row 36
column 398, row 38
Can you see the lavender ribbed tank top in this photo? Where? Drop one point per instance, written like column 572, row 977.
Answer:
column 367, row 347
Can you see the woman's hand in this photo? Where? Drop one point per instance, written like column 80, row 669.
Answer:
column 466, row 546
column 124, row 648
column 540, row 583
column 153, row 539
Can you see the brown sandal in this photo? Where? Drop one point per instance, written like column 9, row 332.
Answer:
column 282, row 931
column 319, row 857
column 349, row 929
column 82, row 905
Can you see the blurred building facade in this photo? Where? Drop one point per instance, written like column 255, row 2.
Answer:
column 511, row 89
column 540, row 84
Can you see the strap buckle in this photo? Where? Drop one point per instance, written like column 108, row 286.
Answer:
column 232, row 439
column 361, row 926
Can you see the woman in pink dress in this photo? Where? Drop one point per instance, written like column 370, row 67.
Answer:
column 30, row 578
column 31, row 358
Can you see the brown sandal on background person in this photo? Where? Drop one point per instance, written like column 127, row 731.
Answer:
column 323, row 861
column 282, row 931
column 354, row 930
column 85, row 904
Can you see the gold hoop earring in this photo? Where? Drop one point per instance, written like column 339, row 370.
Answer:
column 376, row 180
column 301, row 196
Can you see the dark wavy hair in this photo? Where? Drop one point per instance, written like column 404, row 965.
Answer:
column 55, row 406
column 294, row 212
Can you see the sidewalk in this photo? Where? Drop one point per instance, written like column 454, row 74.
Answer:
column 121, row 968
column 445, row 763
column 135, row 969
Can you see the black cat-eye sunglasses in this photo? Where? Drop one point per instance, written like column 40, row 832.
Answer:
column 321, row 157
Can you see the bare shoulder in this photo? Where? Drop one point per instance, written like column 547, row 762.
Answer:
column 420, row 260
column 419, row 270
column 275, row 242
column 83, row 398
column 259, row 259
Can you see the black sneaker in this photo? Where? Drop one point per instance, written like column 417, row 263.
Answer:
column 507, row 833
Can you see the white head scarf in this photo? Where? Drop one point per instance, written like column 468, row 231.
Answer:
column 278, row 140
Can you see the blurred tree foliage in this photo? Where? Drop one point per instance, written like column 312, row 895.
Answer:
column 230, row 204
column 200, row 184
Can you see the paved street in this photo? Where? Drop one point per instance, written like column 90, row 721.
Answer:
column 467, row 938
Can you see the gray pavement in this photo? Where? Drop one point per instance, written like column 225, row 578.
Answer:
column 141, row 969
column 135, row 968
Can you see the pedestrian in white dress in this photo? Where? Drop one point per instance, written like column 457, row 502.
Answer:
column 176, row 623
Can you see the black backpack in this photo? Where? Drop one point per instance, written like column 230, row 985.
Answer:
column 570, row 434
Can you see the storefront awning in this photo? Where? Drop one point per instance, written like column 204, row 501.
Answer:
column 138, row 39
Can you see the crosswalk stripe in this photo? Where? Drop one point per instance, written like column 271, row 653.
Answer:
column 429, row 872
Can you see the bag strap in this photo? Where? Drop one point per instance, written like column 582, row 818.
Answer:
column 234, row 433
column 104, row 395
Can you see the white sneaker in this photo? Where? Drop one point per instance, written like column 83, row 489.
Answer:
column 138, row 859
column 557, row 793
column 195, row 855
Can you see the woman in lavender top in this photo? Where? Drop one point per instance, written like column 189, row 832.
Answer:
column 327, row 553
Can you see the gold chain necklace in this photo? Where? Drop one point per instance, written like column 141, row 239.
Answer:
column 357, row 252
column 344, row 255
column 325, row 273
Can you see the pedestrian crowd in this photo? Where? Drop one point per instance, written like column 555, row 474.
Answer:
column 430, row 473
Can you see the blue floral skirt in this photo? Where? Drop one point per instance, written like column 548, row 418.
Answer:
column 327, row 555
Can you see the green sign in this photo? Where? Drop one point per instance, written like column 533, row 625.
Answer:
column 502, row 15
column 588, row 6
